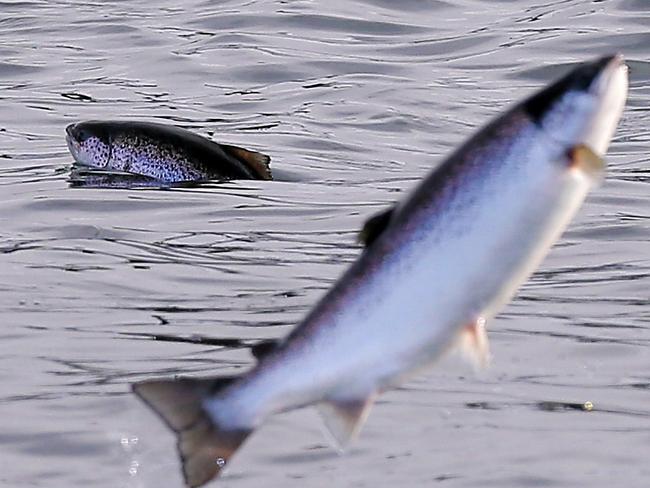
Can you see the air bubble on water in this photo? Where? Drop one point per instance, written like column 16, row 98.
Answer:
column 128, row 443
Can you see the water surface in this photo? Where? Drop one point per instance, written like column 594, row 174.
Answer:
column 357, row 100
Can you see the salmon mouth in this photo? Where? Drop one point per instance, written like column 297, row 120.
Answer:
column 73, row 144
column 611, row 67
column 584, row 106
column 610, row 91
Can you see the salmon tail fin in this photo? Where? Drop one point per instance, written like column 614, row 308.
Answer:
column 258, row 163
column 203, row 446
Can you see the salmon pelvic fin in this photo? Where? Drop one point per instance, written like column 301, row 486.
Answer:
column 472, row 341
column 204, row 446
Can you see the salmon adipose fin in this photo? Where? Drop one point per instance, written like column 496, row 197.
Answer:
column 343, row 418
column 264, row 347
column 257, row 162
column 204, row 447
column 473, row 343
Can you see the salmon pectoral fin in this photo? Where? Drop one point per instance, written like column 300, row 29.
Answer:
column 343, row 418
column 204, row 446
column 473, row 343
column 374, row 226
column 583, row 158
column 257, row 162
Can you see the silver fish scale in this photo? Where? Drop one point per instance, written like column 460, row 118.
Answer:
column 163, row 162
column 99, row 151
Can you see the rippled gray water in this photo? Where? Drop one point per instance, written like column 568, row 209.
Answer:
column 355, row 100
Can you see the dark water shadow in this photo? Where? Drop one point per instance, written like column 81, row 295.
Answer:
column 86, row 177
column 558, row 407
column 258, row 347
column 639, row 72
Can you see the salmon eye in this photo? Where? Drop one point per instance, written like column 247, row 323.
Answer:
column 82, row 134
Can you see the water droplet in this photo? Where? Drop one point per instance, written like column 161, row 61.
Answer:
column 221, row 462
column 588, row 406
column 133, row 469
column 128, row 443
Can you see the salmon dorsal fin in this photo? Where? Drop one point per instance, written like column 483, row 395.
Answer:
column 374, row 226
column 343, row 418
column 257, row 162
column 472, row 342
column 582, row 157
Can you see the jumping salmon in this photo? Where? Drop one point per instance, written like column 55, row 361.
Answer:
column 167, row 153
column 435, row 268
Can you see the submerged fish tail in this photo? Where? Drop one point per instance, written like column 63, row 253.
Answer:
column 204, row 445
column 257, row 163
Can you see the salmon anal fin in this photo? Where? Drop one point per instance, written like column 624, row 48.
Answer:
column 203, row 446
column 374, row 226
column 257, row 162
column 582, row 157
column 344, row 418
column 473, row 343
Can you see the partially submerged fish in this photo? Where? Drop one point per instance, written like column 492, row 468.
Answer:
column 436, row 267
column 167, row 153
